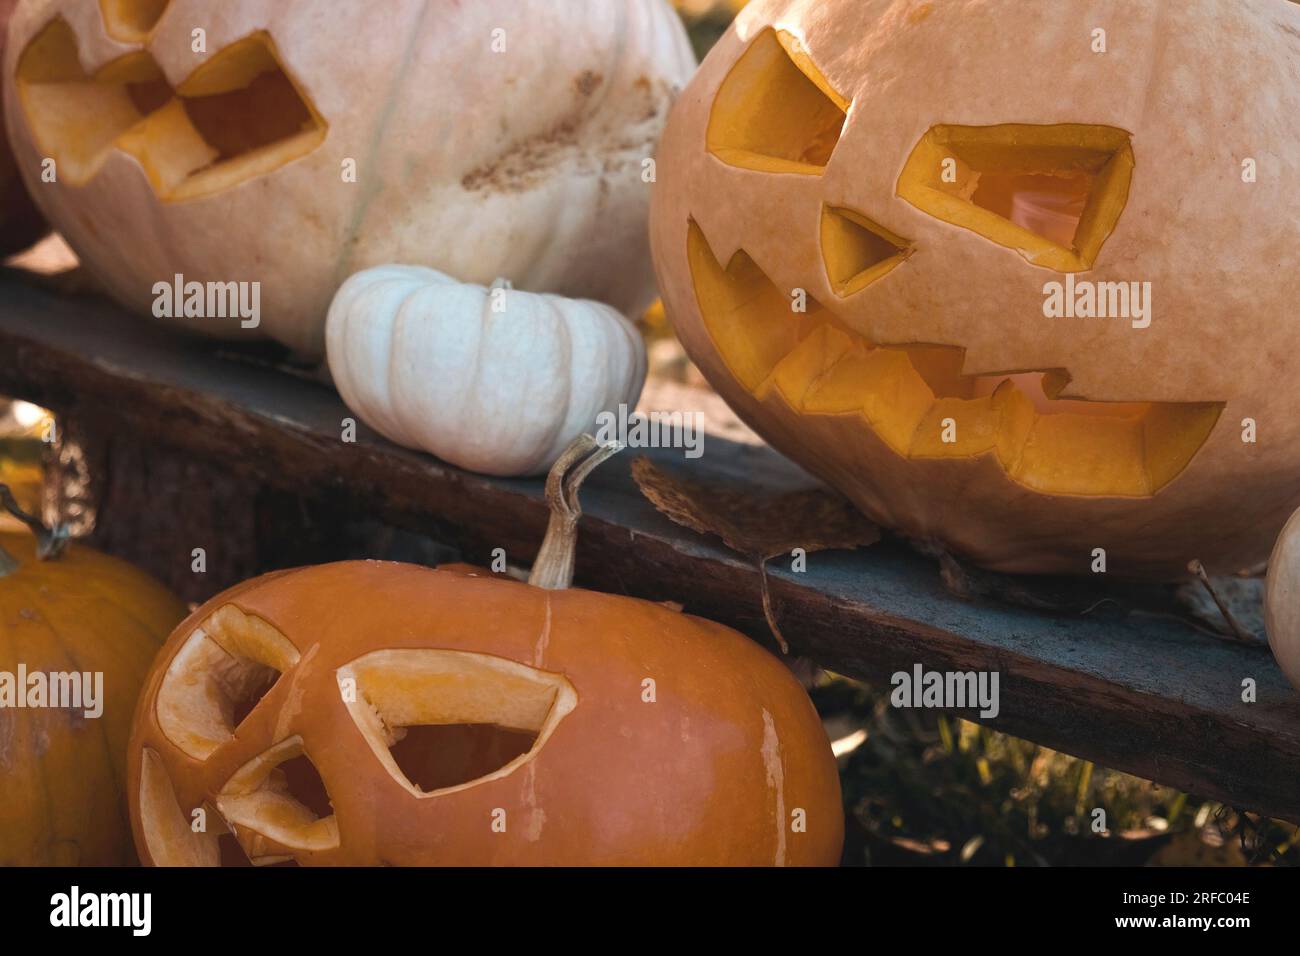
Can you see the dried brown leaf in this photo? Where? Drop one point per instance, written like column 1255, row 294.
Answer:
column 754, row 523
column 758, row 525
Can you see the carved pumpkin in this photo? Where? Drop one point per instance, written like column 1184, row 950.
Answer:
column 66, row 613
column 370, row 713
column 495, row 381
column 866, row 207
column 20, row 223
column 310, row 140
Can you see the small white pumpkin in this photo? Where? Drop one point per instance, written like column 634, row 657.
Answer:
column 492, row 380
column 1282, row 601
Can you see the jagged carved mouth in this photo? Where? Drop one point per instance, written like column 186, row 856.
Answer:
column 238, row 116
column 916, row 399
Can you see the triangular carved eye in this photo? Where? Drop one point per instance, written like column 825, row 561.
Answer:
column 1053, row 193
column 131, row 21
column 775, row 111
column 440, row 720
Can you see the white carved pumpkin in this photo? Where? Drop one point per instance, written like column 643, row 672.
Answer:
column 492, row 380
column 306, row 141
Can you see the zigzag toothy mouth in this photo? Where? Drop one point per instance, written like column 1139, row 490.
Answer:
column 905, row 394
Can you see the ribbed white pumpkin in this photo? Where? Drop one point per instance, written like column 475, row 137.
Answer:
column 493, row 380
column 483, row 138
column 1282, row 601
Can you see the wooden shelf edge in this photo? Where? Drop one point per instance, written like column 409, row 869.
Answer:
column 1147, row 695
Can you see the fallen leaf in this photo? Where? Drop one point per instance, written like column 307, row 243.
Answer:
column 755, row 524
column 758, row 525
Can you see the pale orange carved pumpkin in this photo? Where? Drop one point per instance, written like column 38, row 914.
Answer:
column 919, row 174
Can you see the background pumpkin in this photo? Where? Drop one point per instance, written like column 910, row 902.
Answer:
column 524, row 164
column 714, row 770
column 808, row 154
column 20, row 223
column 497, row 381
column 63, row 772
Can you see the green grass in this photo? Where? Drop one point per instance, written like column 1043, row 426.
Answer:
column 927, row 789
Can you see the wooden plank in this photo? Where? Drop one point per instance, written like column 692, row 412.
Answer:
column 1147, row 694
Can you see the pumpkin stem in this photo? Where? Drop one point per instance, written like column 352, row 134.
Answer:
column 553, row 568
column 50, row 542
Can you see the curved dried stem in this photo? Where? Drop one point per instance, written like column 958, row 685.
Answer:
column 50, row 542
column 1237, row 632
column 768, row 611
column 553, row 568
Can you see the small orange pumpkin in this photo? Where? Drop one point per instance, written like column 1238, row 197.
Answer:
column 67, row 611
column 368, row 713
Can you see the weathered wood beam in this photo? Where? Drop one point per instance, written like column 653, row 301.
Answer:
column 1143, row 693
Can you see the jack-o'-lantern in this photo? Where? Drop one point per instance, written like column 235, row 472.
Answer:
column 293, row 144
column 1016, row 278
column 369, row 713
column 20, row 223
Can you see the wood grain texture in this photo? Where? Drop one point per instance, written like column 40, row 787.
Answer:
column 1138, row 692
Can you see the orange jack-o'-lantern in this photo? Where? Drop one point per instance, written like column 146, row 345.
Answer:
column 1017, row 278
column 369, row 713
column 293, row 144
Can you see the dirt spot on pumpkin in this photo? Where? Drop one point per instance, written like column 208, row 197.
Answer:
column 587, row 82
column 601, row 141
column 524, row 163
